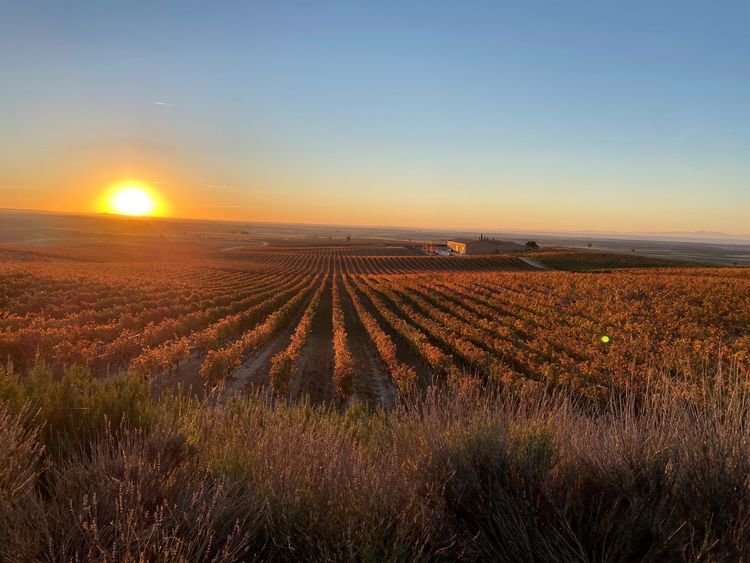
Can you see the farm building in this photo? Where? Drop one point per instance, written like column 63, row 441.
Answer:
column 481, row 245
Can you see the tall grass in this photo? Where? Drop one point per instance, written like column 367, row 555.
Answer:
column 69, row 411
column 486, row 474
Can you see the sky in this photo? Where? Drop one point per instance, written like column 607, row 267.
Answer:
column 574, row 116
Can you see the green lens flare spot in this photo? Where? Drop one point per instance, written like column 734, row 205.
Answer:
column 605, row 339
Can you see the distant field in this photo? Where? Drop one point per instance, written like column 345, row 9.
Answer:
column 582, row 260
column 337, row 322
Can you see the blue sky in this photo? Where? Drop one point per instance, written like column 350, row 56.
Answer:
column 540, row 115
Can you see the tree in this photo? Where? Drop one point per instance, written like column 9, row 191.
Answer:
column 532, row 244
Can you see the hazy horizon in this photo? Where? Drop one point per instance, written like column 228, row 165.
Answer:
column 578, row 119
column 706, row 237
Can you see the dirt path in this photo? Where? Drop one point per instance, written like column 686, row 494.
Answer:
column 394, row 307
column 371, row 382
column 246, row 245
column 404, row 353
column 316, row 360
column 253, row 373
column 535, row 263
column 186, row 376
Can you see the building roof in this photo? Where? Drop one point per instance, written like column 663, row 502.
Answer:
column 485, row 241
column 464, row 240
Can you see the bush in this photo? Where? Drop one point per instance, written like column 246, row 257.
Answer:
column 21, row 512
column 137, row 497
column 70, row 410
column 490, row 474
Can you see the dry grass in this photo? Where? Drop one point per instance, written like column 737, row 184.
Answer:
column 21, row 511
column 480, row 475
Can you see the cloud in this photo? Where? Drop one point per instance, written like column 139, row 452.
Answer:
column 222, row 187
column 163, row 103
column 206, row 206
column 18, row 188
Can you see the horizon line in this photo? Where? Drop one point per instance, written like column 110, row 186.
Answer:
column 707, row 235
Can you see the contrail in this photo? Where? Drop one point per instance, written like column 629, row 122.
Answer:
column 162, row 103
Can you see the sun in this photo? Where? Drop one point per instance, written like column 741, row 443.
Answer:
column 132, row 198
column 132, row 201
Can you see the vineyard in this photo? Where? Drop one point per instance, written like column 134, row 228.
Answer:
column 595, row 405
column 343, row 323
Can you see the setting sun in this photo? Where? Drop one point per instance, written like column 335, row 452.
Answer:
column 133, row 199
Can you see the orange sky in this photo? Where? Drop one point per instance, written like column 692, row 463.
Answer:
column 395, row 205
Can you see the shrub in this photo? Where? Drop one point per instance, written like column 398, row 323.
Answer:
column 21, row 511
column 70, row 409
column 138, row 497
column 458, row 474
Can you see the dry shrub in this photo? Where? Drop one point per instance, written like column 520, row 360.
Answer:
column 548, row 477
column 71, row 410
column 659, row 477
column 142, row 497
column 331, row 489
column 21, row 511
column 467, row 474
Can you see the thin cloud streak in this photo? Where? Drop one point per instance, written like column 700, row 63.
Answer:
column 223, row 187
column 206, row 207
column 18, row 188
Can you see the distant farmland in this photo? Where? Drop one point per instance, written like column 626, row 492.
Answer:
column 346, row 322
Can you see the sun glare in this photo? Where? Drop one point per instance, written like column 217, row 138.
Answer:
column 132, row 199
